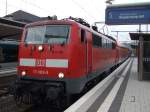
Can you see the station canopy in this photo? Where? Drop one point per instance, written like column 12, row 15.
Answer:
column 12, row 24
column 10, row 28
column 135, row 36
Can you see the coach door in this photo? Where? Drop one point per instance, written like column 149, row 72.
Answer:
column 89, row 51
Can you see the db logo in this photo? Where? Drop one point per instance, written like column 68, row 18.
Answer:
column 40, row 62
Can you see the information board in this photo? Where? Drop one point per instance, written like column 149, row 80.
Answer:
column 128, row 14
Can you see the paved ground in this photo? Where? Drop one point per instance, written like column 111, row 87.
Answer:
column 8, row 65
column 137, row 94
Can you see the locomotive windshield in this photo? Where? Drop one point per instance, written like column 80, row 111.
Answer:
column 47, row 34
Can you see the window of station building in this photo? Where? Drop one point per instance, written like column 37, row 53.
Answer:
column 83, row 36
column 97, row 41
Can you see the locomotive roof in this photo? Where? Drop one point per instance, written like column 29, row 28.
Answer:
column 69, row 22
column 47, row 22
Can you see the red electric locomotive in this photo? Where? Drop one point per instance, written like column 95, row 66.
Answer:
column 58, row 58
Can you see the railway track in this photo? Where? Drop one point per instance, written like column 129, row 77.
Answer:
column 7, row 102
column 6, row 77
column 42, row 109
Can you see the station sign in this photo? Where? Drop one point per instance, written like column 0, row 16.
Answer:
column 128, row 14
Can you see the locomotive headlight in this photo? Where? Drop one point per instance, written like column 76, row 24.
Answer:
column 23, row 73
column 61, row 75
column 40, row 48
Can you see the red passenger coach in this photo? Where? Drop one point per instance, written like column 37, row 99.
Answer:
column 59, row 58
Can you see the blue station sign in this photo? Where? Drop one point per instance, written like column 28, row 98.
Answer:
column 128, row 14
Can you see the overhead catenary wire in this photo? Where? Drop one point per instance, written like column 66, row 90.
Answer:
column 19, row 7
column 83, row 9
column 8, row 4
column 46, row 10
column 37, row 6
column 6, row 8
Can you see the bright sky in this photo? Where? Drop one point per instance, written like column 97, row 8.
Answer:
column 90, row 10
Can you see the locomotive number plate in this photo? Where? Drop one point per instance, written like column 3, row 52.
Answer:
column 42, row 72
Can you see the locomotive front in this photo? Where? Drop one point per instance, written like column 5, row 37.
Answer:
column 44, row 58
column 44, row 47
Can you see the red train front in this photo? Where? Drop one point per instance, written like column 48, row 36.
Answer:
column 58, row 58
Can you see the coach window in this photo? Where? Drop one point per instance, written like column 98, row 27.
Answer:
column 103, row 43
column 97, row 41
column 108, row 43
column 113, row 45
column 82, row 36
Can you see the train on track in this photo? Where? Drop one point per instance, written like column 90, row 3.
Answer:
column 8, row 50
column 59, row 58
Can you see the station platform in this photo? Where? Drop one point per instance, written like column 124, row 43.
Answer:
column 121, row 91
column 137, row 94
column 8, row 65
column 133, row 95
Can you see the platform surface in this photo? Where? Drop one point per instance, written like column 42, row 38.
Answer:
column 8, row 65
column 137, row 94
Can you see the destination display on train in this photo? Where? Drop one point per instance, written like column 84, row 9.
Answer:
column 127, row 15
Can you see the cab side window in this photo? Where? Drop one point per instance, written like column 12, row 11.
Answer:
column 83, row 37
